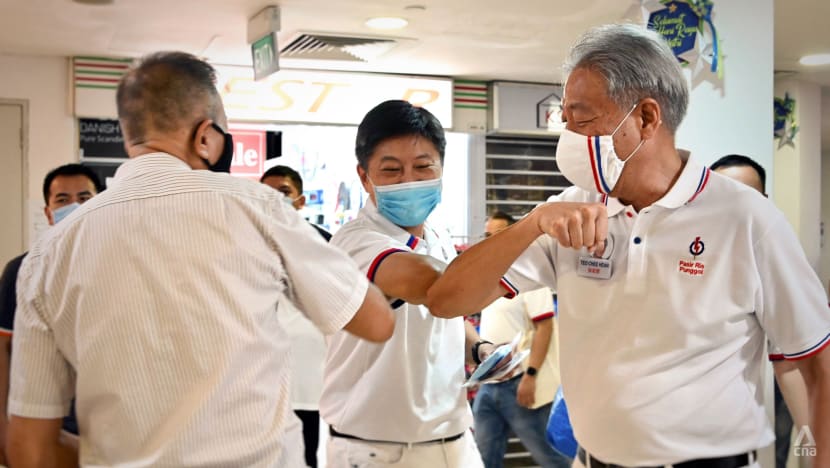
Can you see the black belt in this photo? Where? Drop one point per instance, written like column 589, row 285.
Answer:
column 733, row 461
column 443, row 440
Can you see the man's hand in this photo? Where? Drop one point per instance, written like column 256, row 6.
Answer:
column 485, row 349
column 574, row 225
column 526, row 393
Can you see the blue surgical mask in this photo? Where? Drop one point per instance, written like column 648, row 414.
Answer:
column 63, row 212
column 410, row 203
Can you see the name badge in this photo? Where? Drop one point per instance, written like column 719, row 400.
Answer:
column 593, row 267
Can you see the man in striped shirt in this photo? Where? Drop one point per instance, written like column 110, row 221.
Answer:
column 156, row 304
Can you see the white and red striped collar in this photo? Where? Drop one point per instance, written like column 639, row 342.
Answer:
column 391, row 229
column 692, row 182
column 613, row 205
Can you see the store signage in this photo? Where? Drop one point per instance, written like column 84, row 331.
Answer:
column 326, row 97
column 549, row 112
column 248, row 152
column 525, row 109
column 100, row 138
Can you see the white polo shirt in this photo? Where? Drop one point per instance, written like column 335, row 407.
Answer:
column 661, row 362
column 504, row 318
column 308, row 354
column 156, row 304
column 407, row 389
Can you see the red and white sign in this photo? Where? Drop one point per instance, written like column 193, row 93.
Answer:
column 248, row 153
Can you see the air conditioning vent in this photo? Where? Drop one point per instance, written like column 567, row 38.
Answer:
column 320, row 46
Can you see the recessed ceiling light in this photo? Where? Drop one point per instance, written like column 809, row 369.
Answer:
column 386, row 22
column 815, row 59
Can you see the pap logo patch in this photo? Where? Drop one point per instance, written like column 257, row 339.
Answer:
column 697, row 247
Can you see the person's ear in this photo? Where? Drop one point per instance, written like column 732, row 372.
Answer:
column 299, row 203
column 48, row 213
column 199, row 145
column 650, row 118
column 364, row 179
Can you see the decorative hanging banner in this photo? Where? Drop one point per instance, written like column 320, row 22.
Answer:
column 688, row 28
column 785, row 127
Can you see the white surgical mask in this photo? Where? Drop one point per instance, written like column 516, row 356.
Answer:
column 62, row 212
column 288, row 200
column 590, row 162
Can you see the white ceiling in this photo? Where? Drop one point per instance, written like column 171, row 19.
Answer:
column 483, row 39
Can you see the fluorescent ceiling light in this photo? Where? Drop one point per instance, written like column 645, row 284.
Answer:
column 815, row 59
column 386, row 22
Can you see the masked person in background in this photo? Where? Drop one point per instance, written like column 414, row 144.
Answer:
column 65, row 188
column 156, row 303
column 307, row 343
column 401, row 403
column 789, row 392
column 669, row 277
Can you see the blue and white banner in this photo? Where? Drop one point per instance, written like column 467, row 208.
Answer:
column 689, row 29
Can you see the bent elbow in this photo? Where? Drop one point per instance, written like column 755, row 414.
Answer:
column 384, row 329
column 439, row 306
column 388, row 328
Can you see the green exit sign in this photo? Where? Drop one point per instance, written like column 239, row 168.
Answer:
column 265, row 55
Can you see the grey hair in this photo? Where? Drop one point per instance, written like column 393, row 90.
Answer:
column 636, row 63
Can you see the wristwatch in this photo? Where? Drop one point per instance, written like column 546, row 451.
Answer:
column 474, row 350
column 532, row 371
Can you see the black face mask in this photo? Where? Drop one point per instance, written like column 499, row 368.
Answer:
column 223, row 164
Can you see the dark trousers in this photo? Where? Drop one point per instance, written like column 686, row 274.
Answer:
column 311, row 435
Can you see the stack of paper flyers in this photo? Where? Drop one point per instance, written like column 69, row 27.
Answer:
column 501, row 363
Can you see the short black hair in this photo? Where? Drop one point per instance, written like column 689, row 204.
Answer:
column 503, row 216
column 733, row 160
column 396, row 118
column 285, row 171
column 70, row 170
column 166, row 91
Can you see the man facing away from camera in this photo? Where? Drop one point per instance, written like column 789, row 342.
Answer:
column 156, row 303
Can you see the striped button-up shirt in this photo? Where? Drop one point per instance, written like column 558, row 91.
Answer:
column 156, row 305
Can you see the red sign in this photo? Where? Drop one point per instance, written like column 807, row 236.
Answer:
column 248, row 153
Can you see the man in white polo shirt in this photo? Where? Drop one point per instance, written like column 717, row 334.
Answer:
column 400, row 404
column 669, row 277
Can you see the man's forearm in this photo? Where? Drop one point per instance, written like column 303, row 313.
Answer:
column 470, row 339
column 541, row 342
column 468, row 283
column 793, row 389
column 816, row 372
column 35, row 442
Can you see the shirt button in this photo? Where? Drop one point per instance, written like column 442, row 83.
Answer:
column 637, row 240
